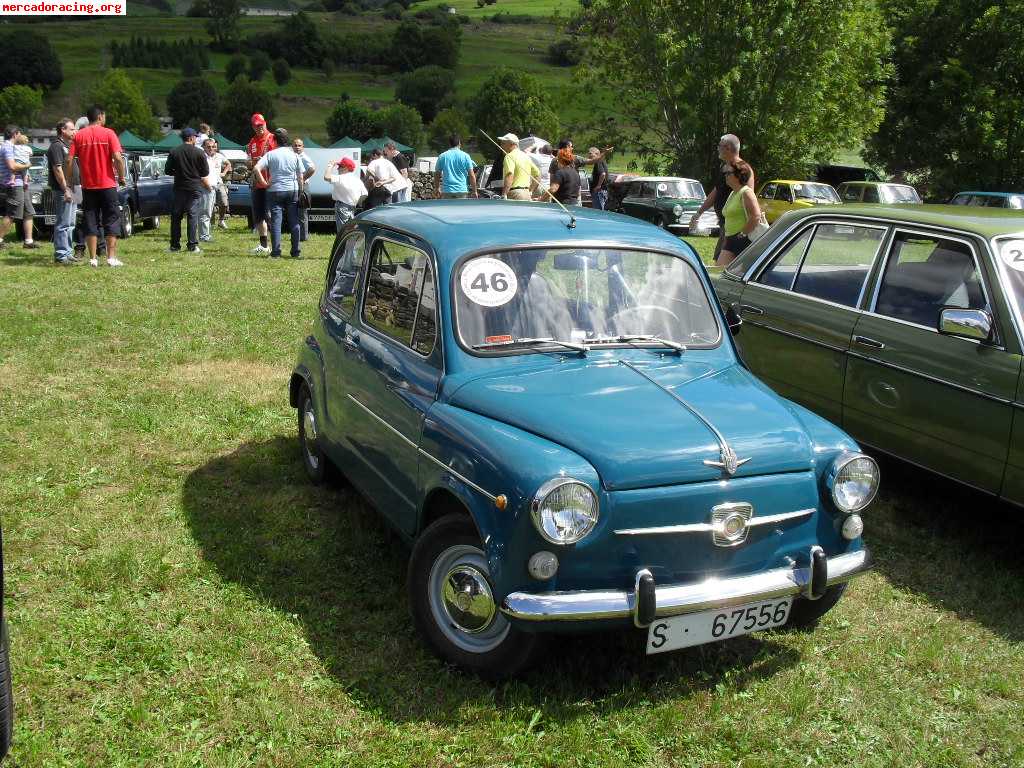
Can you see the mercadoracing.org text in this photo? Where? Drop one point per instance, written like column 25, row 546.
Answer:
column 43, row 8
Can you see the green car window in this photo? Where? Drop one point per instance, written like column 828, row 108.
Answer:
column 838, row 261
column 782, row 271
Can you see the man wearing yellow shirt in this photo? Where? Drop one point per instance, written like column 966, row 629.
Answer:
column 521, row 175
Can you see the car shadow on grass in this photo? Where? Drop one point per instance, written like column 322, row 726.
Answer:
column 952, row 545
column 324, row 556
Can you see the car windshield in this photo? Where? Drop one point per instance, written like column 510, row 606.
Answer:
column 686, row 190
column 581, row 296
column 817, row 192
column 1010, row 254
column 899, row 193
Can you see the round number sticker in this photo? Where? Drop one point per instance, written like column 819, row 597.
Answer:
column 489, row 282
column 1012, row 254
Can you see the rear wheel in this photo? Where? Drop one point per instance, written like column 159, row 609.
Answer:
column 6, row 694
column 127, row 221
column 453, row 603
column 807, row 613
column 316, row 463
column 151, row 223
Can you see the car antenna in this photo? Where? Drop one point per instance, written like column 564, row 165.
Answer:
column 572, row 219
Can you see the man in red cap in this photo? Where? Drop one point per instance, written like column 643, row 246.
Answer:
column 347, row 190
column 262, row 142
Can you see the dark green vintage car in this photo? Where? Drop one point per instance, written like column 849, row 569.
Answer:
column 668, row 202
column 901, row 323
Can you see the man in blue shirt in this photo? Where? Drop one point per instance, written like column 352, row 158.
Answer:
column 456, row 176
column 288, row 171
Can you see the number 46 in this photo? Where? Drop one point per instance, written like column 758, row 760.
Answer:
column 498, row 283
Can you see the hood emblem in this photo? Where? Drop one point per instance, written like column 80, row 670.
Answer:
column 730, row 461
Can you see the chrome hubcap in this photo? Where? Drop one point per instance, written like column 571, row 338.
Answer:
column 467, row 599
column 461, row 600
column 309, row 435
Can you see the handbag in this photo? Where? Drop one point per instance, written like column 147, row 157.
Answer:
column 303, row 195
column 760, row 228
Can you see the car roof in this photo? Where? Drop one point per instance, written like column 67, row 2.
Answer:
column 991, row 194
column 662, row 178
column 457, row 227
column 796, row 181
column 876, row 184
column 987, row 222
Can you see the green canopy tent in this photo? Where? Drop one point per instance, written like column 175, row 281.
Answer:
column 170, row 141
column 223, row 142
column 347, row 142
column 132, row 143
column 372, row 144
column 309, row 143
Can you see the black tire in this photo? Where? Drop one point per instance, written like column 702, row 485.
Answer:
column 317, row 465
column 151, row 223
column 127, row 222
column 6, row 694
column 501, row 650
column 806, row 614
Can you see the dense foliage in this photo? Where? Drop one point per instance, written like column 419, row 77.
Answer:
column 282, row 72
column 448, row 121
column 954, row 108
column 259, row 65
column 355, row 119
column 403, row 124
column 512, row 100
column 235, row 68
column 567, row 52
column 192, row 100
column 238, row 105
column 225, row 16
column 426, row 89
column 122, row 99
column 796, row 80
column 29, row 59
column 157, row 53
column 20, row 105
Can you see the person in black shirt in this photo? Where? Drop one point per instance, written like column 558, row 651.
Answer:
column 188, row 165
column 565, row 181
column 401, row 162
column 578, row 162
column 598, row 180
column 64, row 206
column 729, row 154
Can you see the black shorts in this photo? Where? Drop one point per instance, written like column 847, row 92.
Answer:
column 100, row 208
column 259, row 204
column 736, row 243
column 17, row 203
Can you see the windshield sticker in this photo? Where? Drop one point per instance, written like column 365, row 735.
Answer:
column 497, row 339
column 489, row 282
column 1012, row 254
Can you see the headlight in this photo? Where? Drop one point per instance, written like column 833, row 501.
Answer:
column 677, row 211
column 853, row 481
column 564, row 510
column 37, row 198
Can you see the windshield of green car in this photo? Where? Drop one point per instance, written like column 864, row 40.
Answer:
column 1009, row 253
column 686, row 190
column 580, row 296
column 816, row 192
column 899, row 193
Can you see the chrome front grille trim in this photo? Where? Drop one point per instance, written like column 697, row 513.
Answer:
column 710, row 527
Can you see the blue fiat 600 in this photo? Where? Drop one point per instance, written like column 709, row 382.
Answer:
column 552, row 410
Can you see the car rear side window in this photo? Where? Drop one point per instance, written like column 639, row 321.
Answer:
column 401, row 300
column 871, row 195
column 838, row 261
column 851, row 194
column 768, row 193
column 782, row 271
column 925, row 274
column 343, row 275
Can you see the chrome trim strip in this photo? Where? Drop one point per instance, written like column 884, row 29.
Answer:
column 708, row 527
column 407, row 441
column 456, row 475
column 807, row 297
column 676, row 599
column 933, row 379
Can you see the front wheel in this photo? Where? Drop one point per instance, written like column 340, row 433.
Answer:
column 127, row 222
column 6, row 693
column 453, row 603
column 806, row 613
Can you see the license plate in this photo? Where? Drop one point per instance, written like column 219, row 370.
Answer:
column 720, row 624
column 49, row 219
column 321, row 217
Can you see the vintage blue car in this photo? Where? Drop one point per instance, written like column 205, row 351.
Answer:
column 552, row 410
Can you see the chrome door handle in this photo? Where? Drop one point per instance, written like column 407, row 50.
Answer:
column 865, row 341
column 352, row 342
column 751, row 309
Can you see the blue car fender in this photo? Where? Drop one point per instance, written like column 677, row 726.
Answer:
column 309, row 369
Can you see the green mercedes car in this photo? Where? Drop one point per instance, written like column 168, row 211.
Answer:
column 901, row 323
column 669, row 202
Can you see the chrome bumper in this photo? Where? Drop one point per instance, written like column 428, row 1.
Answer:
column 672, row 600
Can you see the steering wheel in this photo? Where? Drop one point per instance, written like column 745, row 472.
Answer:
column 642, row 313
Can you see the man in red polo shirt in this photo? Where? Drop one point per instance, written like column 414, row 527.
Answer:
column 262, row 142
column 98, row 152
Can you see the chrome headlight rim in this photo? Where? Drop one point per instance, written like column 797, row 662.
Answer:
column 677, row 210
column 537, row 507
column 838, row 465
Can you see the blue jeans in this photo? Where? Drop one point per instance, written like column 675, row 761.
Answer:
column 599, row 199
column 343, row 213
column 401, row 196
column 281, row 203
column 63, row 226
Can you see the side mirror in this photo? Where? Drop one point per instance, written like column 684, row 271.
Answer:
column 966, row 323
column 574, row 261
column 732, row 317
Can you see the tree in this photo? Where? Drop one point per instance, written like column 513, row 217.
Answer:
column 350, row 118
column 238, row 105
column 511, row 100
column 796, row 80
column 567, row 52
column 191, row 67
column 447, row 122
column 223, row 26
column 29, row 59
column 259, row 65
column 282, row 72
column 193, row 100
column 200, row 9
column 403, row 124
column 127, row 108
column 425, row 89
column 327, row 67
column 953, row 113
column 235, row 68
column 20, row 105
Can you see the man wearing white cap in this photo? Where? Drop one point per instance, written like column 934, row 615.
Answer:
column 521, row 175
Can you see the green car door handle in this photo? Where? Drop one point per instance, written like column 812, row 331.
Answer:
column 751, row 309
column 866, row 342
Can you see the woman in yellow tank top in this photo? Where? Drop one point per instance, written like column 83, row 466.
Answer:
column 741, row 212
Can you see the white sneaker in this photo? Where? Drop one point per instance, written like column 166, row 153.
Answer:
column 115, row 262
column 261, row 250
column 94, row 262
column 223, row 225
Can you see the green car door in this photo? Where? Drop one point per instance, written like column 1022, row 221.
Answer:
column 640, row 201
column 938, row 399
column 800, row 309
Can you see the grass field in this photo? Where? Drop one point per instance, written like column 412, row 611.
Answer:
column 543, row 8
column 179, row 595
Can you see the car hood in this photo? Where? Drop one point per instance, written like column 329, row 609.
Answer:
column 647, row 424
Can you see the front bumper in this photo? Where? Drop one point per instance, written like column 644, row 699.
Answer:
column 676, row 599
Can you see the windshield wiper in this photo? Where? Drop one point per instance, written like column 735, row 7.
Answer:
column 516, row 342
column 630, row 338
